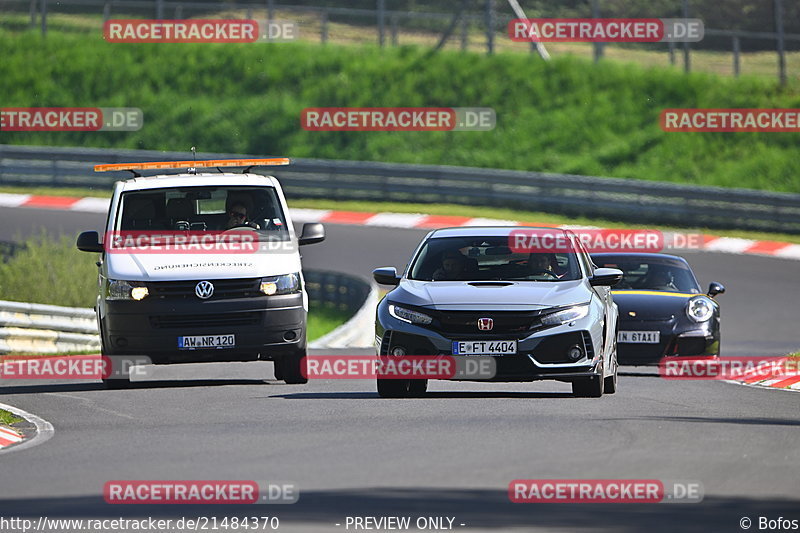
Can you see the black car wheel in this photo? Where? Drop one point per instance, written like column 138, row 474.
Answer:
column 417, row 387
column 394, row 388
column 591, row 387
column 293, row 368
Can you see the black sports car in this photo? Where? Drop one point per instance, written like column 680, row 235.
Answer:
column 662, row 310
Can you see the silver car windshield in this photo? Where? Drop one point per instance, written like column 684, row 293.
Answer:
column 489, row 258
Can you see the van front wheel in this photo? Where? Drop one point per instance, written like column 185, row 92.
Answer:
column 292, row 367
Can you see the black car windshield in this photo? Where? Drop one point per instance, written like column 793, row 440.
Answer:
column 656, row 275
column 204, row 209
column 489, row 258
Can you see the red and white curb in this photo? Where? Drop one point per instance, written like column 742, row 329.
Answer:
column 13, row 441
column 712, row 243
column 790, row 383
column 8, row 437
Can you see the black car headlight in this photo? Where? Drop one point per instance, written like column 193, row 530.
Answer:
column 570, row 314
column 407, row 315
column 700, row 308
column 116, row 289
column 285, row 284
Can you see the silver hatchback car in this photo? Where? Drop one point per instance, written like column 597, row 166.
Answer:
column 469, row 293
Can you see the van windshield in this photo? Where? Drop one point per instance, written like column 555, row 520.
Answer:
column 204, row 209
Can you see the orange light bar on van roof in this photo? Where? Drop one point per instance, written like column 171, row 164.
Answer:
column 275, row 161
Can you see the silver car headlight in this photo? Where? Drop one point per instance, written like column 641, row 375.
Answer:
column 407, row 315
column 116, row 289
column 570, row 314
column 700, row 308
column 285, row 284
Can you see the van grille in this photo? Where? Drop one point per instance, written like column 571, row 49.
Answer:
column 223, row 288
column 197, row 321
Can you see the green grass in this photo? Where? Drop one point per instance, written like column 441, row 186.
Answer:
column 568, row 115
column 6, row 418
column 322, row 320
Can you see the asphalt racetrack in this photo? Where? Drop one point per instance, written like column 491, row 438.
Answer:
column 450, row 454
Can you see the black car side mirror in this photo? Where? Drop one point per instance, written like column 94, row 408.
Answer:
column 89, row 241
column 313, row 232
column 607, row 277
column 386, row 276
column 715, row 288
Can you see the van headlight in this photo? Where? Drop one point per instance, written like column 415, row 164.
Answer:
column 116, row 289
column 285, row 284
column 570, row 314
column 700, row 308
column 407, row 315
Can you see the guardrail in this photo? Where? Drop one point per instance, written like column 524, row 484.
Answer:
column 41, row 329
column 625, row 200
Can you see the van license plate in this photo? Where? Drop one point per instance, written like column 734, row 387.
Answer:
column 201, row 342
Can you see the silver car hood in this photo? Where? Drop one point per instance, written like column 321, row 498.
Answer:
column 518, row 295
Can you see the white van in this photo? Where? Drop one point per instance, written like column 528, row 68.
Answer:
column 202, row 267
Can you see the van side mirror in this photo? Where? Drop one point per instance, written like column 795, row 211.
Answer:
column 386, row 276
column 313, row 232
column 715, row 288
column 607, row 277
column 89, row 241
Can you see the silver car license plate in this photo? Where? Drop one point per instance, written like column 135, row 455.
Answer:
column 204, row 342
column 484, row 347
column 639, row 337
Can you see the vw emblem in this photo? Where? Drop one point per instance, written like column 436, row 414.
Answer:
column 485, row 324
column 204, row 290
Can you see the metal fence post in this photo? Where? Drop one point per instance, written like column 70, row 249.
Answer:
column 736, row 58
column 324, row 29
column 44, row 17
column 598, row 47
column 106, row 12
column 159, row 9
column 489, row 27
column 671, row 48
column 780, row 41
column 179, row 11
column 381, row 12
column 33, row 13
column 393, row 23
column 464, row 33
column 687, row 67
column 270, row 10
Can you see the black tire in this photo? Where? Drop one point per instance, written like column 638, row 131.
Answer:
column 417, row 387
column 293, row 367
column 393, row 388
column 278, row 369
column 610, row 385
column 117, row 383
column 589, row 387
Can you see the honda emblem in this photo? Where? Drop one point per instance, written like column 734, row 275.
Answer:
column 485, row 324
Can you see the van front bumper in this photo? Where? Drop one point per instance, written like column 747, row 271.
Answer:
column 265, row 328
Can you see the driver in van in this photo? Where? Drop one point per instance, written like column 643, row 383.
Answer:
column 237, row 216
